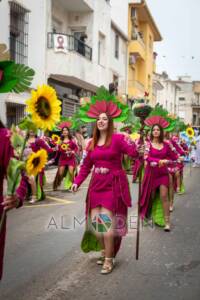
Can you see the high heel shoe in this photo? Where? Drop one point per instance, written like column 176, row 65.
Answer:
column 167, row 225
column 108, row 266
column 101, row 259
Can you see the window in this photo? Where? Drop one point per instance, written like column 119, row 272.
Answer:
column 194, row 119
column 18, row 33
column 116, row 82
column 116, row 45
column 101, row 50
column 181, row 98
column 56, row 26
column 15, row 113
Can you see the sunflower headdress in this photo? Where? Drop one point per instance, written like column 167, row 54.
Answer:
column 103, row 102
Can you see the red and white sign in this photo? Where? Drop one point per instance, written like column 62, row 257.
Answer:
column 60, row 43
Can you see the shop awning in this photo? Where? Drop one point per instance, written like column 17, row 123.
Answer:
column 74, row 82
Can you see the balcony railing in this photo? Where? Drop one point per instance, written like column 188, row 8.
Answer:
column 73, row 44
column 137, row 37
column 196, row 103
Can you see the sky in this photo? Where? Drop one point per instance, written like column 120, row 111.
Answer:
column 179, row 24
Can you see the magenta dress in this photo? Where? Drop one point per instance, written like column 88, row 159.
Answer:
column 109, row 186
column 155, row 176
column 180, row 151
column 6, row 152
column 65, row 159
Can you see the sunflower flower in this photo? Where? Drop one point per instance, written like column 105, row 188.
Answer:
column 44, row 107
column 55, row 138
column 190, row 132
column 64, row 147
column 36, row 162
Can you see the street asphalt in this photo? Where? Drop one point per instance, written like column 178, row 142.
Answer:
column 44, row 262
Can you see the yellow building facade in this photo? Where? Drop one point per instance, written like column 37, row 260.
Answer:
column 142, row 32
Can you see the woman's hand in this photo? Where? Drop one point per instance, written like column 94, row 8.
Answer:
column 10, row 202
column 74, row 188
column 141, row 150
column 181, row 159
column 68, row 152
column 163, row 162
column 153, row 164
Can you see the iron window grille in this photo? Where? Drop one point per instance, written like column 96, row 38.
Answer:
column 18, row 33
column 15, row 113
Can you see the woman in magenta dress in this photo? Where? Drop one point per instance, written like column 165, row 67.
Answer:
column 67, row 159
column 9, row 202
column 158, row 157
column 174, row 170
column 108, row 196
column 34, row 144
column 180, row 165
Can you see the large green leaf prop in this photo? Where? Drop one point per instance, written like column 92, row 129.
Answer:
column 14, row 174
column 15, row 77
column 27, row 124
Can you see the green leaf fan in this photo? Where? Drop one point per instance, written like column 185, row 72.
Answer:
column 14, row 77
column 103, row 102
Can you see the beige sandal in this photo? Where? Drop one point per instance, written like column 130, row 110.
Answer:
column 101, row 259
column 167, row 224
column 108, row 266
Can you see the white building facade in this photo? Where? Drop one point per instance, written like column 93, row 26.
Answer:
column 180, row 97
column 165, row 92
column 74, row 45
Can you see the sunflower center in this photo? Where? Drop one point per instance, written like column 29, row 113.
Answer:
column 43, row 108
column 36, row 161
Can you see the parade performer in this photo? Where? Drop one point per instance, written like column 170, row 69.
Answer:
column 197, row 149
column 9, row 202
column 172, row 169
column 137, row 163
column 67, row 159
column 178, row 184
column 36, row 183
column 17, row 78
column 80, row 141
column 108, row 196
column 158, row 156
column 126, row 161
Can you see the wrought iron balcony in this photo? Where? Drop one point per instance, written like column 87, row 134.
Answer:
column 195, row 103
column 71, row 44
